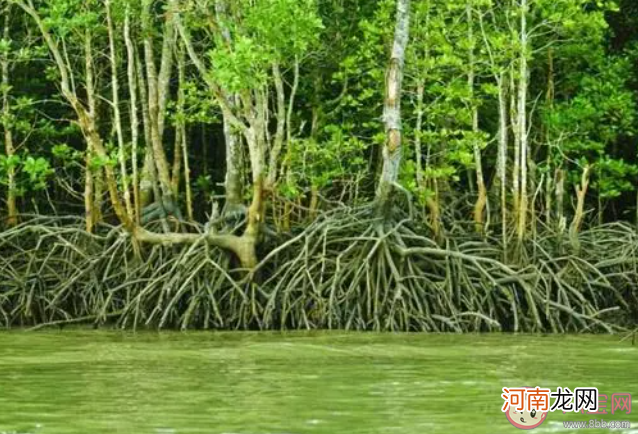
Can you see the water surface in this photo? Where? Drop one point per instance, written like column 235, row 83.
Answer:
column 110, row 382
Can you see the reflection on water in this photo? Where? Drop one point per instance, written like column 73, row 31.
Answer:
column 107, row 382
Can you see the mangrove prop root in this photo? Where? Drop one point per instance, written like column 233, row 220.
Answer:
column 347, row 270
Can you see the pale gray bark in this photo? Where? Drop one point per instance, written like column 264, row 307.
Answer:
column 229, row 105
column 284, row 118
column 134, row 120
column 115, row 87
column 516, row 173
column 233, row 181
column 392, row 106
column 281, row 124
column 291, row 101
column 165, row 71
column 159, row 154
column 522, row 120
column 579, row 212
column 92, row 183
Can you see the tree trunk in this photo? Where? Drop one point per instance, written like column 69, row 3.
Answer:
column 134, row 120
column 93, row 183
column 182, row 143
column 12, row 209
column 156, row 93
column 234, row 186
column 502, row 153
column 516, row 172
column 116, row 113
column 581, row 193
column 148, row 182
column 281, row 125
column 252, row 123
column 481, row 201
column 560, row 198
column 418, row 131
column 549, row 101
column 243, row 247
column 522, row 121
column 392, row 108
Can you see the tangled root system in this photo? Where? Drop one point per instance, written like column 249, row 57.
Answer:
column 352, row 271
column 347, row 270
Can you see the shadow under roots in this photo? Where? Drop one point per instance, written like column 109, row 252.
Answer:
column 351, row 270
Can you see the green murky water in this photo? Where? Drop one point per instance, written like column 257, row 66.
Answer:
column 109, row 382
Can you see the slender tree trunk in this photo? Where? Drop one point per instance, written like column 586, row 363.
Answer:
column 155, row 115
column 516, row 172
column 115, row 86
column 314, row 188
column 176, row 169
column 581, row 193
column 165, row 71
column 392, row 108
column 233, row 184
column 549, row 101
column 130, row 56
column 560, row 198
column 481, row 201
column 181, row 127
column 148, row 182
column 291, row 102
column 502, row 153
column 284, row 118
column 418, row 131
column 432, row 200
column 93, row 183
column 255, row 137
column 434, row 209
column 522, row 121
column 314, row 202
column 281, row 125
column 549, row 190
column 12, row 209
column 187, row 178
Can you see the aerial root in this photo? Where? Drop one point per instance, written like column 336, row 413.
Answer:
column 347, row 270
column 352, row 271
